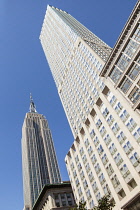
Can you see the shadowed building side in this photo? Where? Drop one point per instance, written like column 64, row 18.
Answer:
column 55, row 196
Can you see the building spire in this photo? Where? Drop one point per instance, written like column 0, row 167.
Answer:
column 32, row 105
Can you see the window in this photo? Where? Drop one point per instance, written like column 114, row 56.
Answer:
column 136, row 34
column 72, row 166
column 81, row 151
column 79, row 166
column 112, row 100
column 90, row 150
column 109, row 169
column 97, row 168
column 82, row 200
column 124, row 171
column 87, row 167
column 121, row 137
column 88, row 194
column 91, row 177
column 95, row 188
column 96, row 141
column 93, row 159
column 102, row 131
column 91, row 204
column 101, row 85
column 62, row 196
column 125, row 85
column 124, row 116
column 92, row 133
column 98, row 123
column 118, row 159
column 127, row 148
column 106, row 189
column 100, row 149
column 131, row 48
column 63, row 203
column 95, row 92
column 110, row 120
column 115, row 75
column 57, row 204
column 104, row 159
column 123, row 62
column 70, row 202
column 85, row 184
column 137, row 135
column 102, row 178
column 68, row 195
column 134, row 95
column 98, row 196
column 135, row 159
column 79, row 192
column 74, row 174
column 131, row 124
column 82, row 175
column 138, row 60
column 76, row 159
column 115, row 128
column 86, row 142
column 118, row 107
column 84, row 159
column 134, row 71
column 104, row 111
column 115, row 181
column 107, row 139
column 112, row 149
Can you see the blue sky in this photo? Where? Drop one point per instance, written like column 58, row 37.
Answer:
column 24, row 69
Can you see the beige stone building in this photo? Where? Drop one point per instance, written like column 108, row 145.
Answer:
column 55, row 196
column 100, row 92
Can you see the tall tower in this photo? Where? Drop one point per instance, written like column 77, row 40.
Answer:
column 39, row 160
column 99, row 90
column 78, row 52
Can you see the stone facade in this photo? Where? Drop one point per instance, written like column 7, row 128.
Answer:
column 55, row 196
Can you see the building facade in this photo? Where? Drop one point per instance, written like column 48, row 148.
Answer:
column 39, row 160
column 100, row 92
column 78, row 52
column 55, row 196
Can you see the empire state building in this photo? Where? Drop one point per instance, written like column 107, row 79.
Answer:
column 39, row 160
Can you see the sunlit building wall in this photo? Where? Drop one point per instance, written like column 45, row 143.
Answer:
column 75, row 67
column 99, row 90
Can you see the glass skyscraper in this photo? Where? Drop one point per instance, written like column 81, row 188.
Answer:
column 99, row 89
column 39, row 160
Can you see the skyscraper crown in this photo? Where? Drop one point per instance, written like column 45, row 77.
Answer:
column 32, row 105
